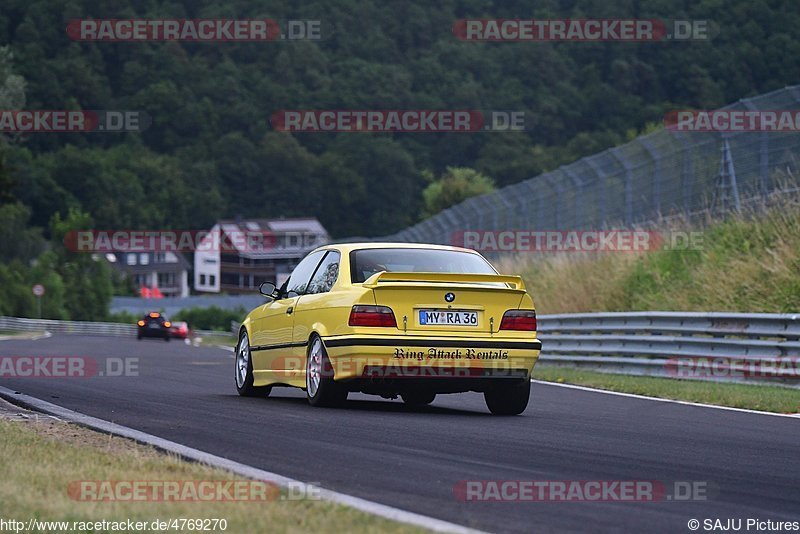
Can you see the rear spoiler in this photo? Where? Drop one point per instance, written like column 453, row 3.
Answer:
column 458, row 278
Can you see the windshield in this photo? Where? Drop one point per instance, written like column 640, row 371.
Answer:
column 366, row 262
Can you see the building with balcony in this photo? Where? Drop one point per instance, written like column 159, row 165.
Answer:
column 166, row 273
column 238, row 255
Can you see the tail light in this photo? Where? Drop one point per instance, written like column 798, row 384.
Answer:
column 167, row 324
column 372, row 316
column 519, row 320
column 140, row 323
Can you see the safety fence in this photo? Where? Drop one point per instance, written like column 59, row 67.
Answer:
column 660, row 175
column 85, row 328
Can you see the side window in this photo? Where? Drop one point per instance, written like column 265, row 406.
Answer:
column 298, row 281
column 326, row 275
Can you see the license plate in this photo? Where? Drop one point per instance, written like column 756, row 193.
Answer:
column 448, row 317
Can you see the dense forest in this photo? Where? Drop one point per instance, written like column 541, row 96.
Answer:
column 210, row 151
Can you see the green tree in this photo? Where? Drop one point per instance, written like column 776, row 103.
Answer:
column 87, row 279
column 45, row 271
column 12, row 96
column 16, row 298
column 390, row 183
column 455, row 185
column 210, row 152
column 17, row 239
column 12, row 86
column 6, row 181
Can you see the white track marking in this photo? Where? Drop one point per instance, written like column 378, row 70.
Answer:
column 32, row 338
column 659, row 399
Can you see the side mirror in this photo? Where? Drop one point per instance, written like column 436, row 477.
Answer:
column 268, row 289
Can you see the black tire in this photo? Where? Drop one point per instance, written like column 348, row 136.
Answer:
column 166, row 338
column 326, row 392
column 244, row 381
column 509, row 399
column 139, row 336
column 418, row 398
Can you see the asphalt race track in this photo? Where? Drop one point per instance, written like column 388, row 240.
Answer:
column 412, row 459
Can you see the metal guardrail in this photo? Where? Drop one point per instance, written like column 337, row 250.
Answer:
column 638, row 343
column 732, row 346
column 67, row 327
column 86, row 328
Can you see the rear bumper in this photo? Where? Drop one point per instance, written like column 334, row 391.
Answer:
column 152, row 332
column 430, row 360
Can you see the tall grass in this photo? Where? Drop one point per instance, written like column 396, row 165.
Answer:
column 747, row 262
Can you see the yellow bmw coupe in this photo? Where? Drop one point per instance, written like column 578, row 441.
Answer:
column 392, row 319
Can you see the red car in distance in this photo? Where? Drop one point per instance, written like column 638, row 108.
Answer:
column 180, row 330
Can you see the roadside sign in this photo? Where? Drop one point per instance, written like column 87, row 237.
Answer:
column 38, row 290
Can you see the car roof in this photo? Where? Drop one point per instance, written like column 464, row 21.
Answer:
column 346, row 248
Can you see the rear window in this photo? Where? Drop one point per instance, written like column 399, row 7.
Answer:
column 366, row 262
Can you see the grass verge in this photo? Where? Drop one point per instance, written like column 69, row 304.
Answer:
column 752, row 397
column 210, row 340
column 17, row 334
column 744, row 263
column 42, row 456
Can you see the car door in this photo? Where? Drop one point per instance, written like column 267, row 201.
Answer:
column 313, row 306
column 271, row 345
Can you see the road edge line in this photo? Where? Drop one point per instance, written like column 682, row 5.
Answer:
column 35, row 337
column 661, row 399
column 196, row 455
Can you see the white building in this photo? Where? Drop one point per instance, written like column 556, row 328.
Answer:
column 238, row 255
column 166, row 271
